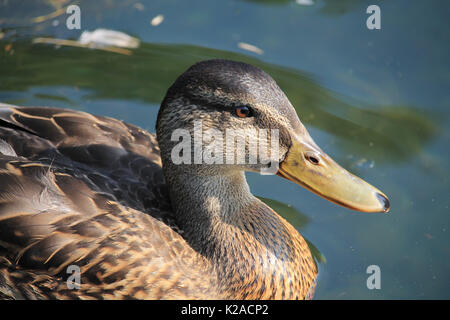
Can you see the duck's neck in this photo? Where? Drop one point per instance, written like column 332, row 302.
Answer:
column 254, row 252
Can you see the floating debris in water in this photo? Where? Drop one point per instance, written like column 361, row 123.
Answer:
column 156, row 21
column 364, row 163
column 250, row 47
column 49, row 16
column 100, row 39
column 139, row 6
column 106, row 37
column 428, row 236
column 305, row 2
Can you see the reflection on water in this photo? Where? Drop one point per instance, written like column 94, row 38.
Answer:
column 331, row 7
column 397, row 139
column 342, row 7
column 147, row 74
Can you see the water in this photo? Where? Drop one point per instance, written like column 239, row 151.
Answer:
column 377, row 101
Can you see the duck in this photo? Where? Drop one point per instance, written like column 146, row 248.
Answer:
column 92, row 207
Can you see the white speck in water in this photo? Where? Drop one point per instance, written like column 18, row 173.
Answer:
column 139, row 6
column 106, row 37
column 365, row 163
column 250, row 47
column 305, row 2
column 156, row 21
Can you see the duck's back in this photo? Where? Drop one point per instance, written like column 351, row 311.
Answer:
column 87, row 192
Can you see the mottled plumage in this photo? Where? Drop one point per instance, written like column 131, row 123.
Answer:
column 87, row 191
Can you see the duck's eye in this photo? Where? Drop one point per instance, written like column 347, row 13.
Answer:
column 243, row 112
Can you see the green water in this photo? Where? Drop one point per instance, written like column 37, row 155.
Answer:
column 377, row 101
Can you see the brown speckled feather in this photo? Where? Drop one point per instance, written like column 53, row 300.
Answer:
column 90, row 193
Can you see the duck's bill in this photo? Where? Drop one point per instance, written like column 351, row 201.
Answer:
column 307, row 165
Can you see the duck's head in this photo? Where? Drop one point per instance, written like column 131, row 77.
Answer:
column 218, row 97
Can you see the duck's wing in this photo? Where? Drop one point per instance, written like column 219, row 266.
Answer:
column 87, row 192
column 114, row 157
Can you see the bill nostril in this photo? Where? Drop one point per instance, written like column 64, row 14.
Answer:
column 384, row 201
column 314, row 159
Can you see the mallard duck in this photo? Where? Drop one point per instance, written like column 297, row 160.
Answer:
column 104, row 196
